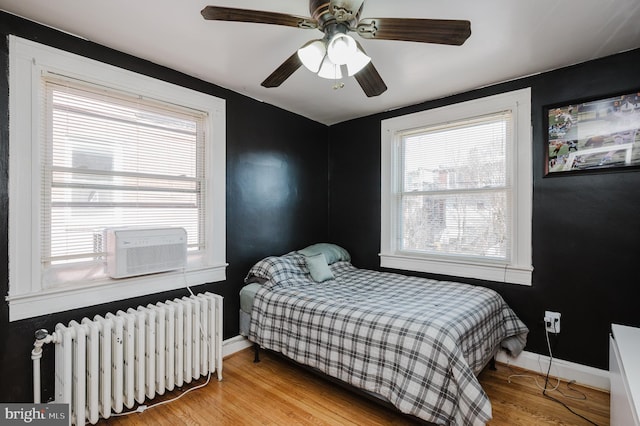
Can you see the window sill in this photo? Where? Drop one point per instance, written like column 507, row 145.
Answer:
column 60, row 299
column 490, row 272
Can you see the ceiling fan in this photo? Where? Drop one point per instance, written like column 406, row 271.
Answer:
column 337, row 53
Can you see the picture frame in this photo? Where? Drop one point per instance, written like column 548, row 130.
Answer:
column 593, row 135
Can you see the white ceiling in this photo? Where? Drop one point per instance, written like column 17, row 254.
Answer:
column 509, row 39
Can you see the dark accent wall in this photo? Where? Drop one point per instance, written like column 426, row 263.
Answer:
column 277, row 198
column 280, row 170
column 586, row 228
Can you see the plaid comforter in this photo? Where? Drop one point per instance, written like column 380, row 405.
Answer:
column 419, row 343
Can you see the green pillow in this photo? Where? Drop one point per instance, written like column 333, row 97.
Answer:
column 332, row 252
column 319, row 268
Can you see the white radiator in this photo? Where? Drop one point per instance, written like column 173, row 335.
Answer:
column 107, row 363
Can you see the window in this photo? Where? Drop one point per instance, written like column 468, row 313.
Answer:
column 456, row 190
column 116, row 150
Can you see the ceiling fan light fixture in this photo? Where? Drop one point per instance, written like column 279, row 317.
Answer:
column 312, row 54
column 341, row 48
column 329, row 70
column 337, row 55
column 357, row 61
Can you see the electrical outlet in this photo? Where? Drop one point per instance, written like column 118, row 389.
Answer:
column 552, row 321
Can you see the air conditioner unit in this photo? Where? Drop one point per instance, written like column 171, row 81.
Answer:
column 141, row 251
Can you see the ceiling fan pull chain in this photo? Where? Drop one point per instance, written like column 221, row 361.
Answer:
column 337, row 85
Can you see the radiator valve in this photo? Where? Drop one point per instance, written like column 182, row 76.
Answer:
column 41, row 334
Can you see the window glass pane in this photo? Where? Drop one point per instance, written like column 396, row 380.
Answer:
column 465, row 155
column 110, row 160
column 464, row 224
column 455, row 191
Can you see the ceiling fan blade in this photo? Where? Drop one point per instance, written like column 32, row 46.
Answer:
column 440, row 31
column 217, row 13
column 283, row 72
column 369, row 79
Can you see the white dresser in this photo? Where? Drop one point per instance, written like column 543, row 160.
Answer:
column 624, row 370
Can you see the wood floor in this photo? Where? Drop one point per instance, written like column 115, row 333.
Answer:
column 276, row 392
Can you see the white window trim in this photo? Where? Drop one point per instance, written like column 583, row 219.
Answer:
column 519, row 270
column 27, row 298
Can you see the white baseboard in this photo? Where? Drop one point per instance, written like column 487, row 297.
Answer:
column 235, row 344
column 565, row 370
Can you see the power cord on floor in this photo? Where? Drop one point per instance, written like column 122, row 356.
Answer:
column 542, row 387
column 546, row 382
column 143, row 408
column 582, row 397
column 545, row 388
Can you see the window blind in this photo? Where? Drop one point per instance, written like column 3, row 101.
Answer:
column 110, row 159
column 455, row 188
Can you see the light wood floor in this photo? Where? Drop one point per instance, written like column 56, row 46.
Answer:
column 276, row 392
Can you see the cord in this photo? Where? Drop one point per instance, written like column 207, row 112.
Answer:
column 544, row 392
column 538, row 385
column 535, row 378
column 545, row 388
column 582, row 397
column 143, row 408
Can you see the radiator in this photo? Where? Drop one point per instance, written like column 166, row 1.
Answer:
column 105, row 364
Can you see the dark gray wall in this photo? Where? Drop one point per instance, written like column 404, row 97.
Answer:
column 276, row 197
column 586, row 228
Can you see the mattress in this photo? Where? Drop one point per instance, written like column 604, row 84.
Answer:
column 417, row 343
column 247, row 294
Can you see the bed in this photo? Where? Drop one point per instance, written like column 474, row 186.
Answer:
column 416, row 343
